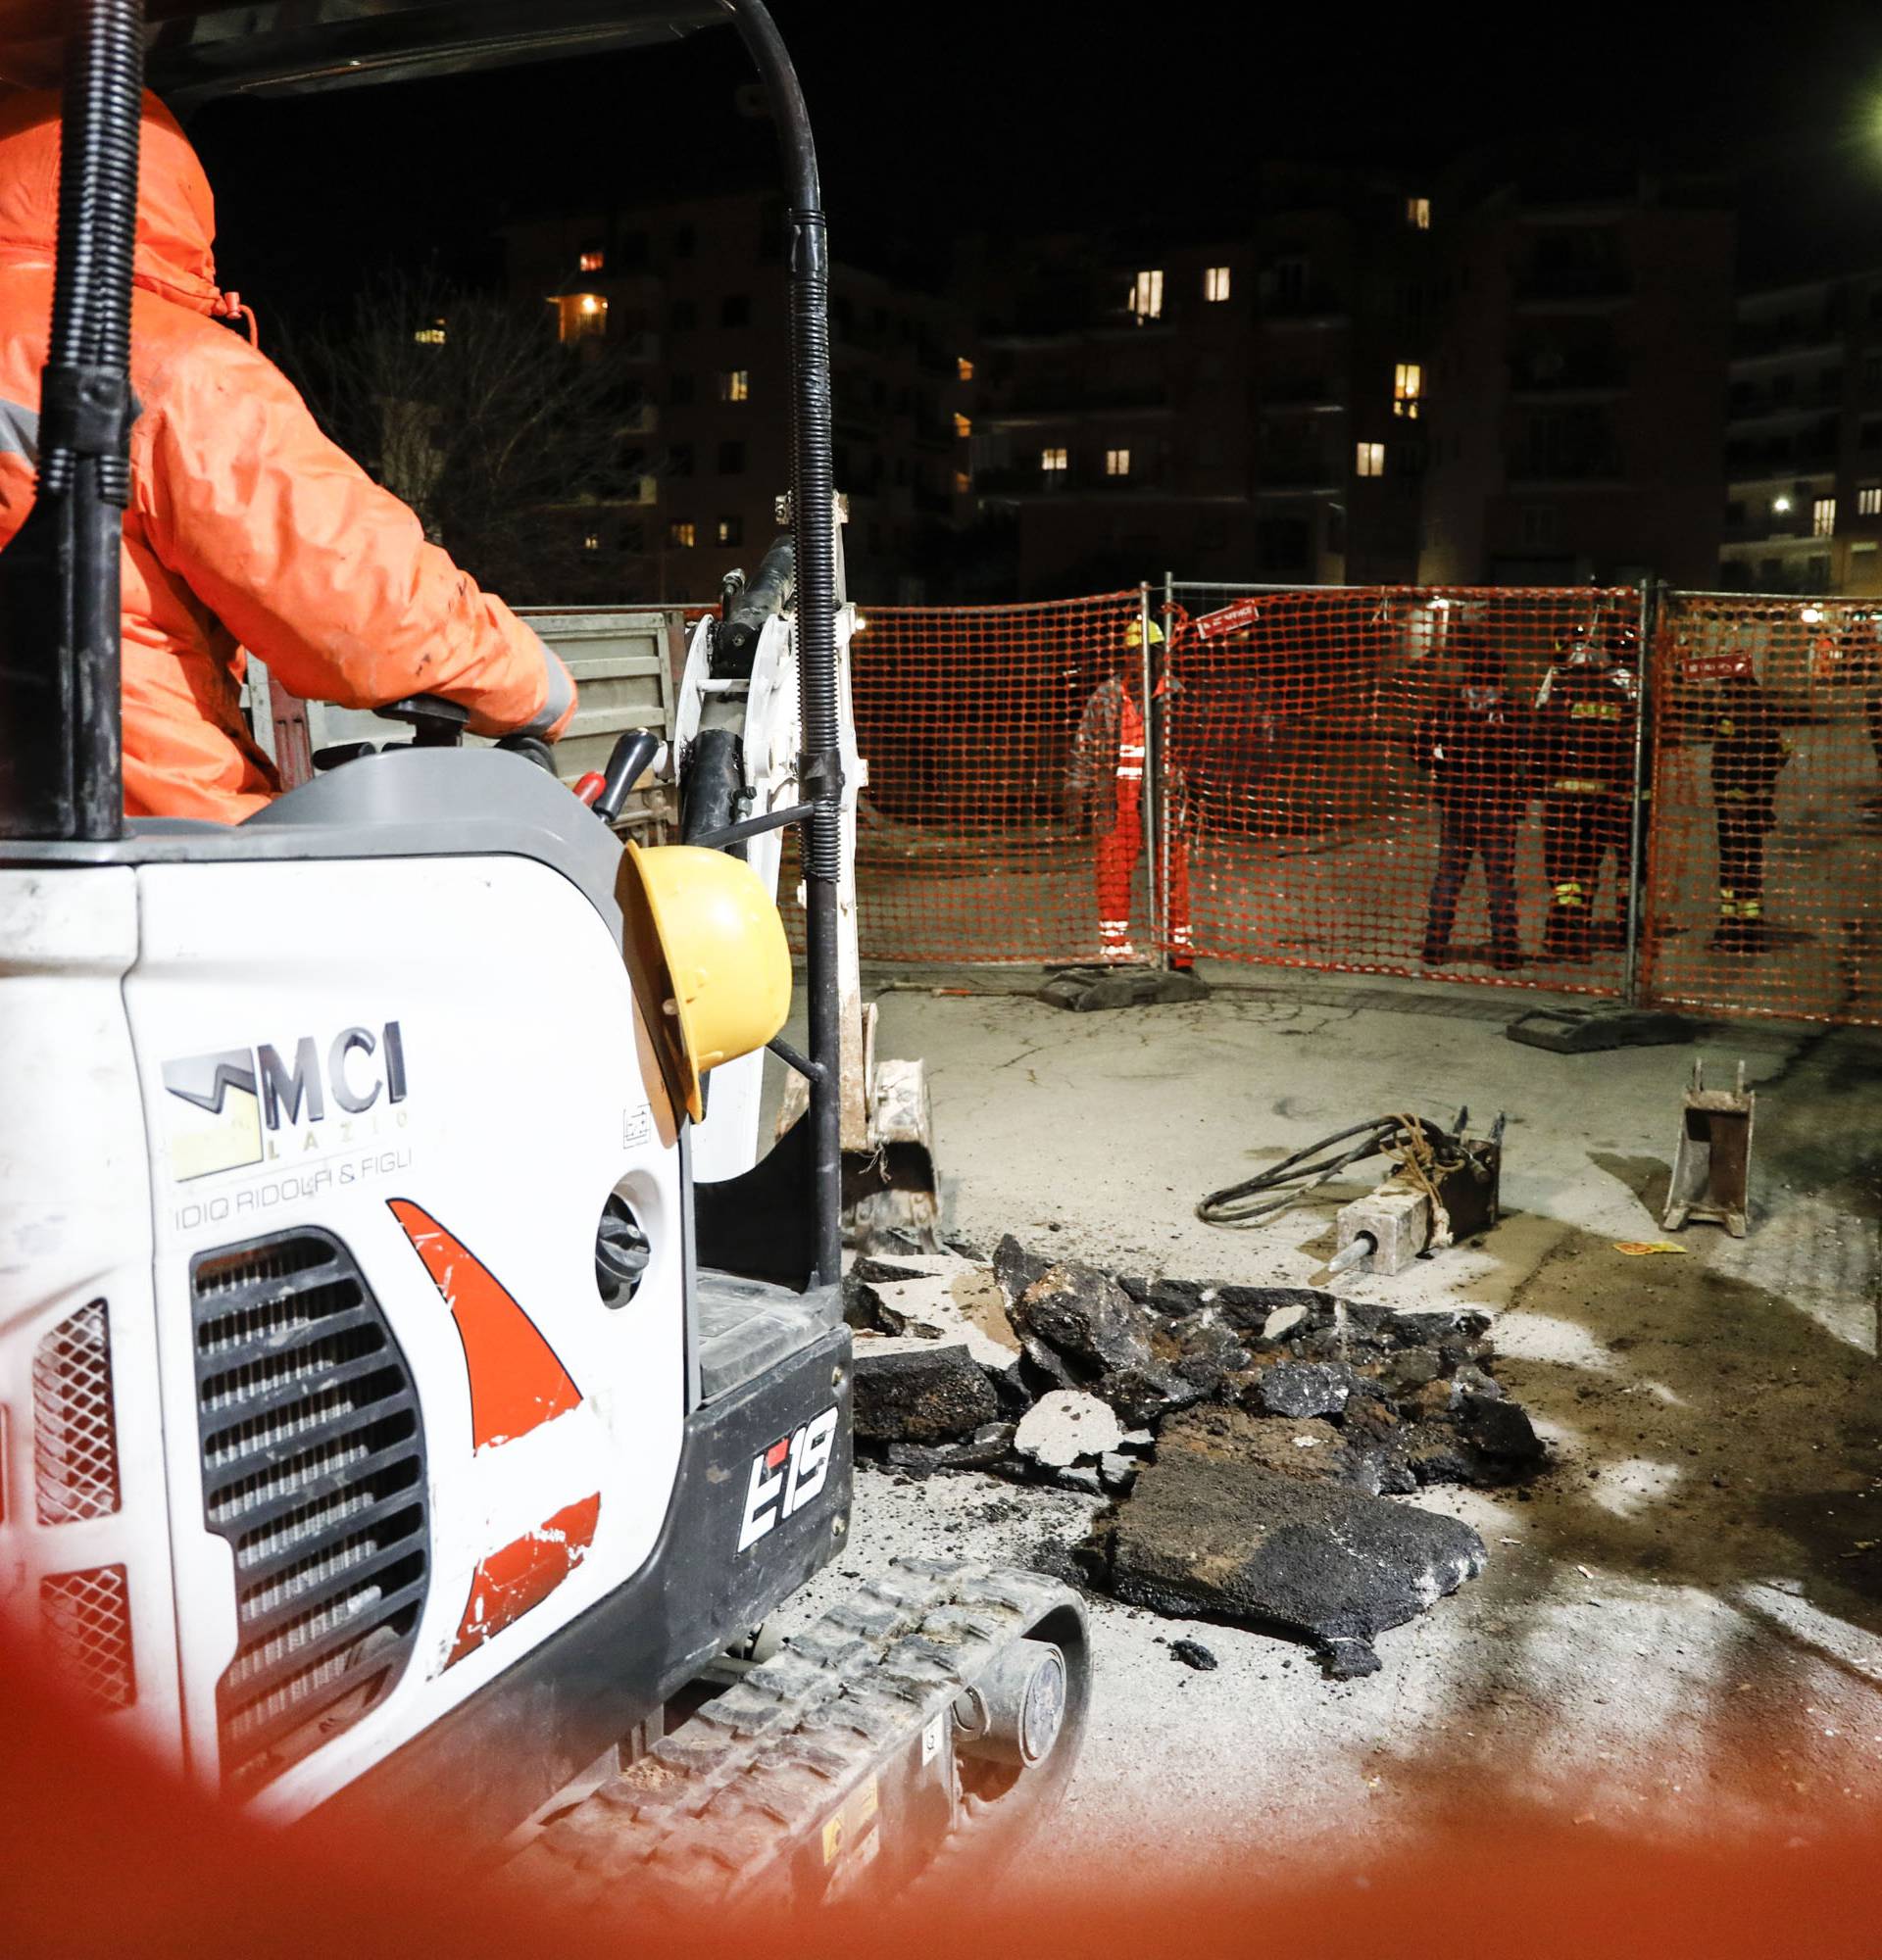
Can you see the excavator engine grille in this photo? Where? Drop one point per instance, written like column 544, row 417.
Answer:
column 313, row 1453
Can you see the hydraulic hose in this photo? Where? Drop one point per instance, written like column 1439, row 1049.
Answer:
column 60, row 712
column 1282, row 1186
column 90, row 350
column 814, row 532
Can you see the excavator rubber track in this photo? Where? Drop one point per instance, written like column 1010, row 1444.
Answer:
column 832, row 1763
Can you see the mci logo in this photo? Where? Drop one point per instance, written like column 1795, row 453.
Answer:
column 232, row 1099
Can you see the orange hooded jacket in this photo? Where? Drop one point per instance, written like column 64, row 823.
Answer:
column 247, row 527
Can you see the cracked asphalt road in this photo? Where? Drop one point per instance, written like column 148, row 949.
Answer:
column 1681, row 1631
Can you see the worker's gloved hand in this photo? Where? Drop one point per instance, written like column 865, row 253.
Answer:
column 531, row 748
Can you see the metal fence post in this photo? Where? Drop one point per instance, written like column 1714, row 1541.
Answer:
column 1148, row 807
column 1650, row 589
column 1167, row 801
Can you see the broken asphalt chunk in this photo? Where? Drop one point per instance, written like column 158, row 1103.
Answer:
column 1079, row 1326
column 921, row 1394
column 1015, row 1268
column 1193, row 1654
column 1501, row 1430
column 1204, row 1533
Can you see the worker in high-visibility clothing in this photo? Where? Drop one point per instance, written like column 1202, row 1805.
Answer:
column 1105, row 792
column 1749, row 752
column 1585, row 720
column 248, row 531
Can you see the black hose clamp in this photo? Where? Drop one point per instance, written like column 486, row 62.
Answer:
column 85, row 409
column 820, row 776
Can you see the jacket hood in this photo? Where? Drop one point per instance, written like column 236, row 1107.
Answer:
column 175, row 211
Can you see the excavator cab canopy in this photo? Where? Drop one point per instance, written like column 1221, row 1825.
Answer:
column 199, row 50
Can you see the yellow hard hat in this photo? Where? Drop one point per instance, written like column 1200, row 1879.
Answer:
column 1134, row 634
column 707, row 949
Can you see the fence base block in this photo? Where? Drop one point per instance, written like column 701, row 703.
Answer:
column 1592, row 1030
column 1086, row 989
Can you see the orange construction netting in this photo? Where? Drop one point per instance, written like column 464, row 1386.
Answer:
column 1319, row 758
column 968, row 719
column 1403, row 780
column 1406, row 780
column 1764, row 843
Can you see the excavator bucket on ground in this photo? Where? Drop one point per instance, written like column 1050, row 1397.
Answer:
column 1712, row 1159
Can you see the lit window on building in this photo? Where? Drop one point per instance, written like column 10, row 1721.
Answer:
column 964, row 368
column 592, row 542
column 593, row 259
column 963, row 482
column 963, row 426
column 1407, row 386
column 583, row 315
column 1054, row 461
column 1868, row 500
column 1215, row 283
column 1147, row 295
column 1116, row 461
column 1823, row 517
column 430, row 336
column 731, row 530
column 682, row 536
column 735, row 384
column 1417, row 212
column 1368, row 459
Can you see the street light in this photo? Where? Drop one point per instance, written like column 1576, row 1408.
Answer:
column 1781, row 506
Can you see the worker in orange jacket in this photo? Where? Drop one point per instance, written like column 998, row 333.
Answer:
column 1104, row 790
column 247, row 527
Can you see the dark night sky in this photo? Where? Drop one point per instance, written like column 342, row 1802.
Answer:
column 975, row 116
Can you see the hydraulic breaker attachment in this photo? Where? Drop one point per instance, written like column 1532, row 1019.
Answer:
column 1451, row 1194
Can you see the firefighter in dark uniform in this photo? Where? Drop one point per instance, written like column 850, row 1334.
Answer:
column 1475, row 748
column 1585, row 718
column 1748, row 751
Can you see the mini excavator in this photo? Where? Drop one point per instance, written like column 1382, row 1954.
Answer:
column 393, row 1419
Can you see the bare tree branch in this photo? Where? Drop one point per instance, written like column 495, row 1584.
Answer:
column 512, row 448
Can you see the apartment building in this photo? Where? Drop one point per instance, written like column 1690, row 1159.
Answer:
column 1111, row 427
column 690, row 297
column 1802, row 507
column 1579, row 382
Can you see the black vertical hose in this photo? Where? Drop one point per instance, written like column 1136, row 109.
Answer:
column 813, row 528
column 97, row 228
column 61, row 714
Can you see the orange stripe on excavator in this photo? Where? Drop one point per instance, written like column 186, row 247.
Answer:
column 523, row 1573
column 516, row 1382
